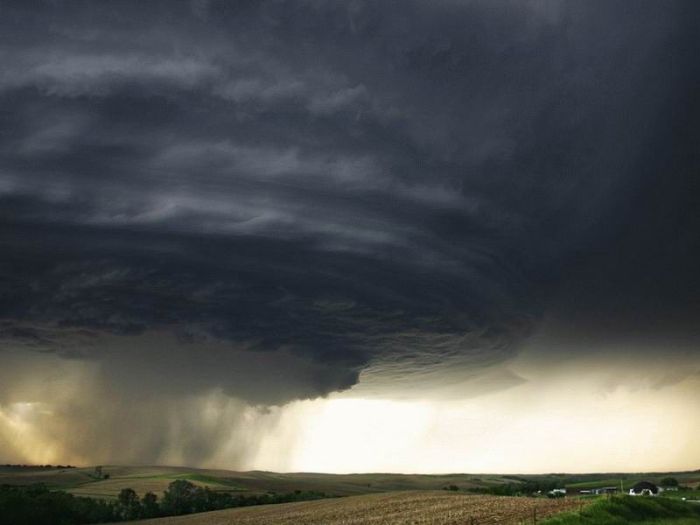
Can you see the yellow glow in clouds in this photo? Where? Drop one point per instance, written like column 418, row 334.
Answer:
column 571, row 424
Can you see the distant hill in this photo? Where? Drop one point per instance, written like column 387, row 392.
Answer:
column 84, row 482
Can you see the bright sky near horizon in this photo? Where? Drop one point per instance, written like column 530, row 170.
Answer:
column 569, row 417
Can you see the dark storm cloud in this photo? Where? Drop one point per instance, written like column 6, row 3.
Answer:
column 349, row 184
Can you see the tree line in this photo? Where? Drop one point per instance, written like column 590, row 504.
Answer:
column 38, row 505
column 524, row 488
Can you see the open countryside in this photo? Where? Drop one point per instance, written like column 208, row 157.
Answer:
column 111, row 479
column 350, row 262
column 186, row 496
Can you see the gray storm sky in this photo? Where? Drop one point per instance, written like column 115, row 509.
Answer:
column 276, row 201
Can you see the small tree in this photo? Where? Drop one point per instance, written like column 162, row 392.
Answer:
column 669, row 482
column 182, row 497
column 130, row 507
column 149, row 506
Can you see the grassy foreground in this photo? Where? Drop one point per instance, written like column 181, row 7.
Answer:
column 621, row 510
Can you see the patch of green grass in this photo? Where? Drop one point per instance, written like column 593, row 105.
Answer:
column 612, row 482
column 672, row 521
column 210, row 480
column 680, row 494
column 621, row 510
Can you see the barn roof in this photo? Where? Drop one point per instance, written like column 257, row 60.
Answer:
column 642, row 485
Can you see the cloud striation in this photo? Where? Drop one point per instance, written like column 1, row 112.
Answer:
column 271, row 200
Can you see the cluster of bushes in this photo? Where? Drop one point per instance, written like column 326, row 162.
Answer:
column 520, row 486
column 183, row 497
column 669, row 482
column 98, row 474
column 524, row 488
column 37, row 505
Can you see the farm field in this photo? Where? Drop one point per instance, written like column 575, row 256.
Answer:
column 82, row 482
column 392, row 508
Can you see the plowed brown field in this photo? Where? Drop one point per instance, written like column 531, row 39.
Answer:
column 400, row 508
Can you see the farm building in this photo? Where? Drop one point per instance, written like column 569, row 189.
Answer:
column 644, row 488
column 605, row 490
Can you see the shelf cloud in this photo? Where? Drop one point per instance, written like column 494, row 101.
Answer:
column 276, row 201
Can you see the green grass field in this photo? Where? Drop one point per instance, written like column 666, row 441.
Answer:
column 693, row 495
column 621, row 510
column 82, row 481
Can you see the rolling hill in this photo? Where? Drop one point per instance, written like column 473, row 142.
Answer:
column 395, row 508
column 83, row 482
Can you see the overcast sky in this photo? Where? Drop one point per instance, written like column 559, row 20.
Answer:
column 227, row 223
